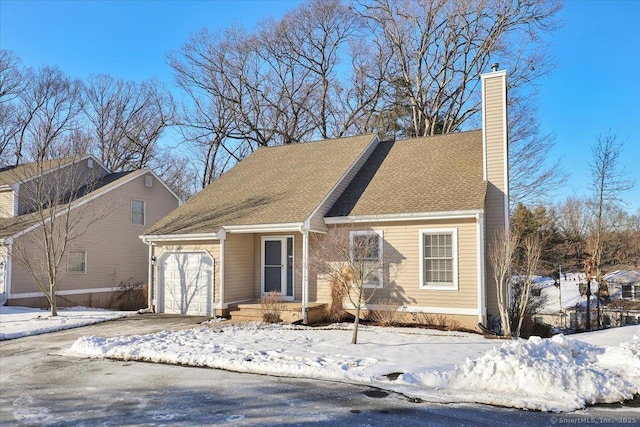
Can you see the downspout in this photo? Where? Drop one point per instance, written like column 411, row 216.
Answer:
column 305, row 276
column 482, row 297
column 7, row 271
column 222, row 235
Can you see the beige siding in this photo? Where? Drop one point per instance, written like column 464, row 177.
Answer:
column 6, row 203
column 317, row 220
column 115, row 254
column 212, row 247
column 402, row 241
column 238, row 268
column 496, row 143
column 297, row 263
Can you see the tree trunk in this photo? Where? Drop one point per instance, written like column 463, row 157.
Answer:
column 588, row 293
column 52, row 300
column 356, row 322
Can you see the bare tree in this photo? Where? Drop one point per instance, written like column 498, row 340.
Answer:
column 573, row 223
column 514, row 261
column 353, row 261
column 502, row 250
column 126, row 119
column 54, row 220
column 531, row 251
column 609, row 181
column 47, row 112
column 12, row 82
column 439, row 49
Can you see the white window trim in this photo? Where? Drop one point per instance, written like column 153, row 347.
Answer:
column 144, row 211
column 69, row 263
column 372, row 285
column 454, row 248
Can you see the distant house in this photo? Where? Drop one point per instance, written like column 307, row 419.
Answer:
column 116, row 208
column 432, row 202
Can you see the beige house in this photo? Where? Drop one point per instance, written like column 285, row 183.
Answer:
column 108, row 212
column 431, row 202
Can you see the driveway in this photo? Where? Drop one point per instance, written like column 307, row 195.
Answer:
column 39, row 386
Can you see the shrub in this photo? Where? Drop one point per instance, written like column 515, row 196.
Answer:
column 129, row 296
column 386, row 313
column 271, row 307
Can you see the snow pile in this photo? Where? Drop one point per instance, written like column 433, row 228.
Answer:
column 555, row 374
column 16, row 322
column 558, row 374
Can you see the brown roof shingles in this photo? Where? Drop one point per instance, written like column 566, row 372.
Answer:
column 432, row 174
column 275, row 185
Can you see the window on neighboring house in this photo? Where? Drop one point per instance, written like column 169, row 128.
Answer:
column 137, row 212
column 77, row 262
column 366, row 255
column 439, row 259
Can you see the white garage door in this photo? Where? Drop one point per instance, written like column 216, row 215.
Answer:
column 185, row 283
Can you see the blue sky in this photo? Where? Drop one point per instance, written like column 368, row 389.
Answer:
column 595, row 89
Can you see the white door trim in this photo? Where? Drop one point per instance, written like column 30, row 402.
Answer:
column 283, row 273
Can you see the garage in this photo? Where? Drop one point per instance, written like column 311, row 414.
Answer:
column 185, row 283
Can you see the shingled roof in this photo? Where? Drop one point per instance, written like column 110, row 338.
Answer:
column 431, row 174
column 274, row 185
column 11, row 174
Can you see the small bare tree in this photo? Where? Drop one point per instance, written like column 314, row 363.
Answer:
column 514, row 262
column 353, row 260
column 502, row 250
column 53, row 221
column 531, row 251
column 609, row 181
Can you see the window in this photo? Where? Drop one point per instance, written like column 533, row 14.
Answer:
column 439, row 259
column 137, row 212
column 366, row 255
column 77, row 262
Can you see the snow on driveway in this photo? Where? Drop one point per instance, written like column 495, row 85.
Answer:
column 16, row 322
column 558, row 374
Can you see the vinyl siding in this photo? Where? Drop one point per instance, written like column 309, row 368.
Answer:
column 497, row 188
column 402, row 241
column 238, row 267
column 6, row 203
column 115, row 254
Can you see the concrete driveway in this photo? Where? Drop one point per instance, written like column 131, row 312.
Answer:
column 39, row 386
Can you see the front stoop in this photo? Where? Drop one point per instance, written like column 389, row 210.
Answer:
column 291, row 312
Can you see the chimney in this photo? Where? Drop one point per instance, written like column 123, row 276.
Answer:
column 495, row 140
column 496, row 172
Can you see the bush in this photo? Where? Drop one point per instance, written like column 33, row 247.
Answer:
column 386, row 313
column 271, row 307
column 130, row 296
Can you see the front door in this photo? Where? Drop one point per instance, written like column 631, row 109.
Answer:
column 277, row 265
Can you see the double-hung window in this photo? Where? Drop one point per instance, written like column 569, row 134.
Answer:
column 77, row 262
column 366, row 256
column 137, row 212
column 439, row 259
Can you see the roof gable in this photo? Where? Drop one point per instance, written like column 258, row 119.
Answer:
column 432, row 174
column 274, row 185
column 12, row 227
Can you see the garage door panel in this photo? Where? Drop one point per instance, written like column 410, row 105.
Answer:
column 186, row 280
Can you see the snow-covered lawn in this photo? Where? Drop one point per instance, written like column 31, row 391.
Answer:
column 558, row 374
column 16, row 322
